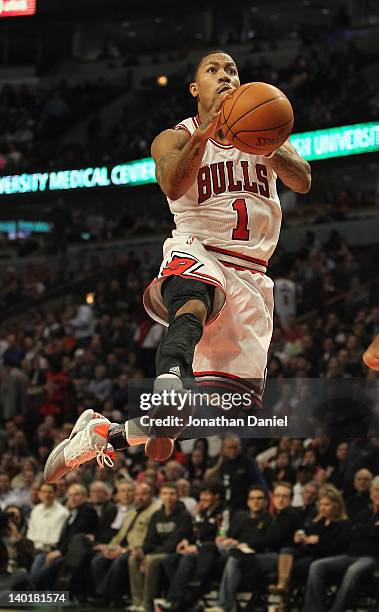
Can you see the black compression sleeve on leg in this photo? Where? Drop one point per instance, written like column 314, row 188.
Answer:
column 177, row 347
column 117, row 437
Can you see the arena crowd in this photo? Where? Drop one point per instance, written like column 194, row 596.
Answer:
column 277, row 515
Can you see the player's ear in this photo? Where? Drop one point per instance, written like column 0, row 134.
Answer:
column 193, row 89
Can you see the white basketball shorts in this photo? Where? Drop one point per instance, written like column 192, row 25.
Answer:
column 233, row 349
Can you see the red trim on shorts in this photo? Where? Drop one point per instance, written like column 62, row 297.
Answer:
column 180, row 126
column 231, row 265
column 243, row 381
column 225, row 385
column 261, row 262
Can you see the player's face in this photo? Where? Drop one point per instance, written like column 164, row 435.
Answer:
column 217, row 73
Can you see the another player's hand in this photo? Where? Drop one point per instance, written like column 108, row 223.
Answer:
column 209, row 125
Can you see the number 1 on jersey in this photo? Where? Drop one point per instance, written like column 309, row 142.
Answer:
column 240, row 232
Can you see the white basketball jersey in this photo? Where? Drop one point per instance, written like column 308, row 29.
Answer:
column 233, row 206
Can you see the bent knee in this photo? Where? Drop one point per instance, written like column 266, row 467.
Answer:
column 195, row 307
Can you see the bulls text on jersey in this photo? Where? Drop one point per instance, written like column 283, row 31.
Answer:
column 219, row 177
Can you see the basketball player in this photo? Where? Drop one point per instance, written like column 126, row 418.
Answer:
column 211, row 290
column 371, row 355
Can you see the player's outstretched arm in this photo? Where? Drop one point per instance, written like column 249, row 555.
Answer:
column 178, row 155
column 371, row 356
column 292, row 169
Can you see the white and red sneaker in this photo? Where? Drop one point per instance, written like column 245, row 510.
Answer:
column 88, row 440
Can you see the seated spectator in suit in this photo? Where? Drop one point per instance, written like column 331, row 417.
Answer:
column 359, row 499
column 106, row 510
column 110, row 565
column 46, row 519
column 194, row 558
column 320, row 538
column 261, row 556
column 168, row 526
column 82, row 519
column 124, row 498
column 361, row 557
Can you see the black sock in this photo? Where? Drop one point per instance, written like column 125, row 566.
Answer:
column 117, row 437
column 177, row 347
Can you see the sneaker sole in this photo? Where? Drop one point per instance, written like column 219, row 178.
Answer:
column 51, row 473
column 159, row 449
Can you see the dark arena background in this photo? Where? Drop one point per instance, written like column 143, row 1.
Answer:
column 261, row 523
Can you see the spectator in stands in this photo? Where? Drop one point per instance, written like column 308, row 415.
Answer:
column 236, row 471
column 283, row 470
column 196, row 468
column 184, row 494
column 322, row 537
column 167, row 528
column 360, row 558
column 338, row 475
column 46, row 520
column 101, row 386
column 83, row 323
column 360, row 499
column 309, row 496
column 110, row 565
column 13, row 387
column 8, row 495
column 106, row 510
column 16, row 550
column 194, row 557
column 173, row 471
column 125, row 502
column 82, row 518
column 261, row 557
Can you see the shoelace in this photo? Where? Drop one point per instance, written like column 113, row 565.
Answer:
column 103, row 458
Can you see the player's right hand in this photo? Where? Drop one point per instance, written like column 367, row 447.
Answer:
column 209, row 125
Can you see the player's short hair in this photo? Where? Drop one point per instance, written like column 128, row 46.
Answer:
column 202, row 58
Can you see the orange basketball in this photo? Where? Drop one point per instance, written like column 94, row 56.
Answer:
column 257, row 118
